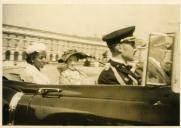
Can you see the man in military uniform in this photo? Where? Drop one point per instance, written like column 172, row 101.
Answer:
column 122, row 46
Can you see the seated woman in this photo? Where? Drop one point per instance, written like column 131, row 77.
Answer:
column 69, row 73
column 36, row 55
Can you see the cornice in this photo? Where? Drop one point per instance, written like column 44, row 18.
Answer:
column 49, row 35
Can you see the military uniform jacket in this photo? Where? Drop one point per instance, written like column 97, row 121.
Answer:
column 124, row 72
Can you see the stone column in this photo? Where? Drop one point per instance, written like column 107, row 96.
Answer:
column 4, row 55
column 12, row 55
column 20, row 56
column 48, row 56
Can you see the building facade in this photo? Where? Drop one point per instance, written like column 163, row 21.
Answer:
column 16, row 39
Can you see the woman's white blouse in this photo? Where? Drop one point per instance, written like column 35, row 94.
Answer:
column 33, row 75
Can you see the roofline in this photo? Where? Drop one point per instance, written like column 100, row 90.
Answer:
column 56, row 33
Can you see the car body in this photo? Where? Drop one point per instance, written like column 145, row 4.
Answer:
column 90, row 105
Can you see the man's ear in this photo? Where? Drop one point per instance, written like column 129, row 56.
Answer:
column 119, row 48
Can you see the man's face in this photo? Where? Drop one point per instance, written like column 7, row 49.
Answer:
column 40, row 60
column 127, row 51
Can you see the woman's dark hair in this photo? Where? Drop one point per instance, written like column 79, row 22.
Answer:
column 30, row 57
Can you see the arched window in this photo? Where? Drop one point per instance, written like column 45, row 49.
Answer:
column 16, row 54
column 7, row 55
column 51, row 57
column 24, row 56
column 57, row 57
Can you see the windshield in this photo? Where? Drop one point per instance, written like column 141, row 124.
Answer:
column 160, row 58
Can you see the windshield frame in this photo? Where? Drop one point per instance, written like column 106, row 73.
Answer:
column 148, row 47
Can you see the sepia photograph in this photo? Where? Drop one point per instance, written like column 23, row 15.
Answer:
column 90, row 64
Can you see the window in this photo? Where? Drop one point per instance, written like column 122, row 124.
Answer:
column 7, row 55
column 24, row 56
column 57, row 57
column 51, row 57
column 16, row 55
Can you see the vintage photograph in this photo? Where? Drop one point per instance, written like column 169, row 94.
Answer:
column 91, row 64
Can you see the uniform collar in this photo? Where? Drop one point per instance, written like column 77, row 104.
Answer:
column 121, row 61
column 118, row 60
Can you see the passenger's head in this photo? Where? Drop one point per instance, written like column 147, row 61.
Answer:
column 36, row 55
column 71, row 58
column 121, row 43
column 166, row 66
column 72, row 61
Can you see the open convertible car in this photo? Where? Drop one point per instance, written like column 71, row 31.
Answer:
column 153, row 103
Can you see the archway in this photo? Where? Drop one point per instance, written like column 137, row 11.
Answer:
column 56, row 57
column 51, row 57
column 7, row 55
column 16, row 54
column 24, row 56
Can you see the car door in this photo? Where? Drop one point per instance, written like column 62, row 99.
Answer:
column 104, row 105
